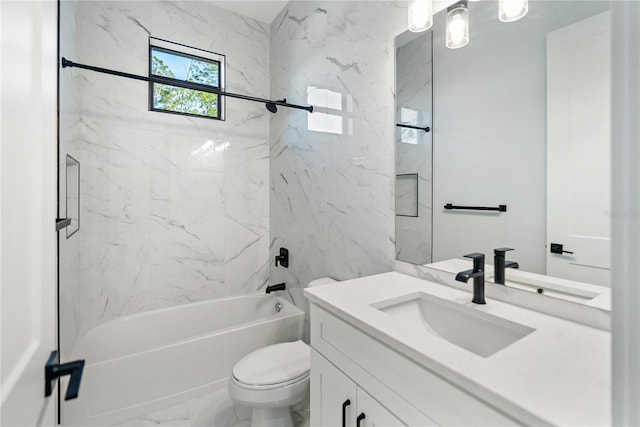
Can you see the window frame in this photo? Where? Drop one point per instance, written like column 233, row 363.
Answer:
column 155, row 44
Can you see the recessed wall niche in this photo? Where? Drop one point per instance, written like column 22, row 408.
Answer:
column 73, row 195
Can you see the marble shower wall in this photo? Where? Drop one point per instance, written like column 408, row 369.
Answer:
column 332, row 196
column 174, row 209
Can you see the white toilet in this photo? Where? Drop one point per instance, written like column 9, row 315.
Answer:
column 272, row 379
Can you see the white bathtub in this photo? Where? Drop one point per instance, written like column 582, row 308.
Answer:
column 141, row 363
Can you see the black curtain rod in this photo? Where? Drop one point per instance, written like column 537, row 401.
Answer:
column 271, row 105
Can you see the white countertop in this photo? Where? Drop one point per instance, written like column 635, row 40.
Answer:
column 558, row 374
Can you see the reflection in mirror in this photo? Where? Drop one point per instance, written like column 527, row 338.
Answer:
column 73, row 195
column 332, row 112
column 413, row 148
column 521, row 118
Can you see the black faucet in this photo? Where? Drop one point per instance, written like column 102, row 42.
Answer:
column 278, row 287
column 477, row 274
column 499, row 264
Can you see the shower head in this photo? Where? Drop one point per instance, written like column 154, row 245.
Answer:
column 271, row 107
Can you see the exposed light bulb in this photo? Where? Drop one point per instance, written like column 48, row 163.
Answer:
column 420, row 15
column 512, row 10
column 457, row 25
column 456, row 30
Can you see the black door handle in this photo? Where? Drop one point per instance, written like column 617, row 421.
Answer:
column 344, row 412
column 54, row 370
column 359, row 419
column 558, row 248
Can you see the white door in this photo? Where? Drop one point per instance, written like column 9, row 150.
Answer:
column 579, row 150
column 28, row 38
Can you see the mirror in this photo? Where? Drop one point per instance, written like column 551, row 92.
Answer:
column 520, row 119
column 413, row 148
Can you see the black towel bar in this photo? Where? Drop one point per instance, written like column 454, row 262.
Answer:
column 499, row 208
column 400, row 125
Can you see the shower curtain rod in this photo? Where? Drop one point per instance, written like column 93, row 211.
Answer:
column 271, row 105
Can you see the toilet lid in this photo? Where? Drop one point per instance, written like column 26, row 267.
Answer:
column 274, row 364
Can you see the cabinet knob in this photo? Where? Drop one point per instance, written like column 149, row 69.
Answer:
column 344, row 412
column 359, row 419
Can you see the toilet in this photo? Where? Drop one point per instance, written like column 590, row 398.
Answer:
column 272, row 379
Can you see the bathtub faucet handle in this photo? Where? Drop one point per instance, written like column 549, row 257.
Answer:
column 278, row 287
column 283, row 258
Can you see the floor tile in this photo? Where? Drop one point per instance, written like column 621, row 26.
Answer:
column 216, row 410
column 173, row 416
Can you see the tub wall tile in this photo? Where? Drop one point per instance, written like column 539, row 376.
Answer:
column 174, row 209
column 331, row 192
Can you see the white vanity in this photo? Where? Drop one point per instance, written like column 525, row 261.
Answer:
column 406, row 351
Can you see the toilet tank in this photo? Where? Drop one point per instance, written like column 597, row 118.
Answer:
column 321, row 281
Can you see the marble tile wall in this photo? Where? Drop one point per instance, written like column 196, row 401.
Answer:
column 174, row 209
column 331, row 193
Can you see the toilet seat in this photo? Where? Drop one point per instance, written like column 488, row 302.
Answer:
column 273, row 366
column 272, row 397
column 276, row 376
column 271, row 386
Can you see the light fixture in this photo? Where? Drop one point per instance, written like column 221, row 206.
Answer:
column 512, row 10
column 457, row 25
column 420, row 15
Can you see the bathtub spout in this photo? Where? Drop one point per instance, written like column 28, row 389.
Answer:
column 278, row 287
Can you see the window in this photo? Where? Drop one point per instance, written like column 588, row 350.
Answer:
column 178, row 63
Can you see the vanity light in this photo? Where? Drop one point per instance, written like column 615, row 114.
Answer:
column 420, row 15
column 512, row 10
column 457, row 25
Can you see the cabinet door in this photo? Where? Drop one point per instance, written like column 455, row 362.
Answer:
column 332, row 392
column 375, row 415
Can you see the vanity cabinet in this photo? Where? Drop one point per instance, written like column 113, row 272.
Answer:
column 337, row 401
column 375, row 414
column 348, row 364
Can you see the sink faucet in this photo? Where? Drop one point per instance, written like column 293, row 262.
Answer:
column 477, row 274
column 500, row 264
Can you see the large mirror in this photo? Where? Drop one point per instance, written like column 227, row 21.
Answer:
column 519, row 117
column 413, row 148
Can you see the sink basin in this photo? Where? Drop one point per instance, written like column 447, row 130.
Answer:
column 473, row 330
column 548, row 288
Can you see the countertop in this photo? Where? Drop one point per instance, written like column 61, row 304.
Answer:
column 559, row 374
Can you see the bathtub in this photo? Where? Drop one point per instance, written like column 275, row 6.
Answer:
column 138, row 364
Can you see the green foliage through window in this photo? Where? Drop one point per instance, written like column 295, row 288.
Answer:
column 182, row 67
